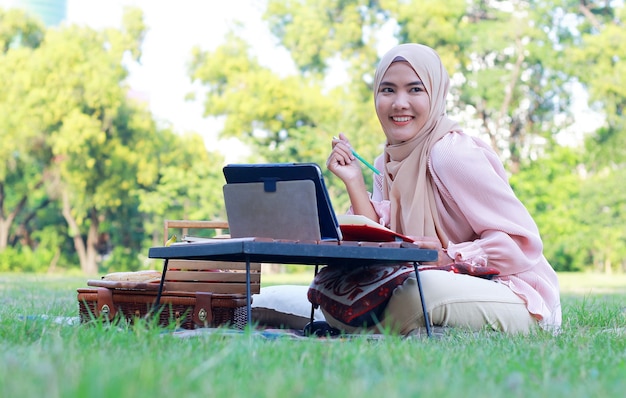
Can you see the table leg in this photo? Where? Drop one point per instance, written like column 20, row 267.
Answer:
column 158, row 297
column 419, row 287
column 312, row 306
column 248, row 292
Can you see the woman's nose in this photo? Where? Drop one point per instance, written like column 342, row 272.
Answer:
column 400, row 101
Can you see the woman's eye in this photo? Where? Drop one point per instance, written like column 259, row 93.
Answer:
column 386, row 90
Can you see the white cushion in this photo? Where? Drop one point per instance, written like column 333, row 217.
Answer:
column 283, row 306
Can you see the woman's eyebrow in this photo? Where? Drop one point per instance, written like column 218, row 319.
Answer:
column 415, row 83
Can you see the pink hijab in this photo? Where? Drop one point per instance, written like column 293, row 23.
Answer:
column 407, row 183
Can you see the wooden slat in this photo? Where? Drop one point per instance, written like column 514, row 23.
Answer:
column 196, row 224
column 211, row 287
column 192, row 224
column 208, row 265
column 228, row 277
column 203, row 276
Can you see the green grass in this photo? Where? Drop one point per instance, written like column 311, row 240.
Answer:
column 42, row 358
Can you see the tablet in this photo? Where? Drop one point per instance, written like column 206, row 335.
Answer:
column 270, row 174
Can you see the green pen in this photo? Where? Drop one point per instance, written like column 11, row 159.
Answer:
column 365, row 162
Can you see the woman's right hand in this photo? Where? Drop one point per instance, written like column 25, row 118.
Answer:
column 341, row 162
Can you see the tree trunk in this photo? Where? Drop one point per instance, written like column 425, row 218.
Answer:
column 5, row 226
column 85, row 256
column 7, row 221
column 23, row 230
column 92, row 242
column 608, row 269
column 53, row 263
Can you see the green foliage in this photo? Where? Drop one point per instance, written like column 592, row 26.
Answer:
column 17, row 29
column 86, row 173
column 581, row 215
column 603, row 217
column 315, row 32
column 439, row 25
column 121, row 259
column 76, row 146
column 598, row 62
column 24, row 259
column 550, row 190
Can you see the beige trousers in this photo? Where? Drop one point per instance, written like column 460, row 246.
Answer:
column 453, row 300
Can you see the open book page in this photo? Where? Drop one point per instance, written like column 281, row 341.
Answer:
column 360, row 228
column 188, row 239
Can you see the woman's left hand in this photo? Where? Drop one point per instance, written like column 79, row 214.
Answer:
column 427, row 242
column 444, row 259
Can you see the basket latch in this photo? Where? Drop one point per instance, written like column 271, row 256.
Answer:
column 203, row 312
column 105, row 305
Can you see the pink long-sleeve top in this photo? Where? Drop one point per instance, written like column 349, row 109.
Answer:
column 484, row 220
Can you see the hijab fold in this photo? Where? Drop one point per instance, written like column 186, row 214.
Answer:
column 407, row 183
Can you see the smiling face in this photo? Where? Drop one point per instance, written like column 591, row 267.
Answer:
column 402, row 104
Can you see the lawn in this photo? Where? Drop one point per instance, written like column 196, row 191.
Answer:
column 46, row 357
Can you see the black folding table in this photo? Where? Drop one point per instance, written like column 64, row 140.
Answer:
column 295, row 252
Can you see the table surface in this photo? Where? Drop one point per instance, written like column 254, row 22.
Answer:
column 294, row 252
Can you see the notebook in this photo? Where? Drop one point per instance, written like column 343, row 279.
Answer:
column 279, row 201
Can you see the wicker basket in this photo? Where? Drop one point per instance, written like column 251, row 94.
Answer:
column 186, row 310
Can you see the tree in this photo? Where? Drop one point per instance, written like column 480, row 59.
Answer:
column 85, row 160
column 598, row 61
column 596, row 57
column 550, row 188
column 21, row 149
column 93, row 145
column 72, row 118
column 17, row 30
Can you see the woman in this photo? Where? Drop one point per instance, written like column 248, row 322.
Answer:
column 440, row 183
